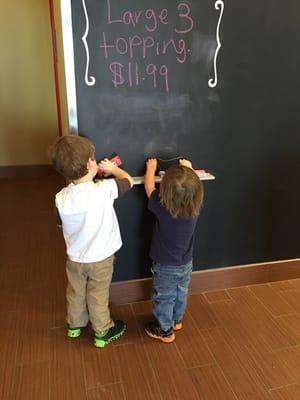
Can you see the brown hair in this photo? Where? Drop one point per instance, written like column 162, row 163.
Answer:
column 70, row 155
column 181, row 191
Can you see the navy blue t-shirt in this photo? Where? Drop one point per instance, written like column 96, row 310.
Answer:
column 173, row 238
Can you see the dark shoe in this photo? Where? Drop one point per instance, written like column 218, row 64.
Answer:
column 101, row 339
column 74, row 332
column 154, row 330
column 177, row 325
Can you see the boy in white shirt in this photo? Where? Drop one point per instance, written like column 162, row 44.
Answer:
column 92, row 236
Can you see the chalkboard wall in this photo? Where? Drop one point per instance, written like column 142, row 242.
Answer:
column 215, row 81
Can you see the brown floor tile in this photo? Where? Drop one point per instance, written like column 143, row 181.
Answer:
column 101, row 365
column 33, row 382
column 108, row 392
column 290, row 359
column 218, row 295
column 191, row 346
column 291, row 326
column 272, row 300
column 67, row 375
column 169, row 368
column 259, row 321
column 238, row 377
column 11, row 286
column 295, row 283
column 211, row 383
column 200, row 310
column 286, row 393
column 292, row 297
column 261, row 364
column 281, row 285
column 8, row 354
column 33, row 335
column 143, row 307
column 137, row 374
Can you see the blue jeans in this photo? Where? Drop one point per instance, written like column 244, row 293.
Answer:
column 170, row 289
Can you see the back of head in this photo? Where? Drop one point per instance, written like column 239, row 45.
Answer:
column 181, row 191
column 70, row 155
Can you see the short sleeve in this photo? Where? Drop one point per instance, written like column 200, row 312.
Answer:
column 123, row 186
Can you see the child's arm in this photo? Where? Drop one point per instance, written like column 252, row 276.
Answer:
column 149, row 183
column 110, row 168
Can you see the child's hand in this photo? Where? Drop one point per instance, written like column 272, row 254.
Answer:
column 107, row 166
column 151, row 165
column 185, row 163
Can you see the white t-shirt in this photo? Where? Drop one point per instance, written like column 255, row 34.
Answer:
column 89, row 222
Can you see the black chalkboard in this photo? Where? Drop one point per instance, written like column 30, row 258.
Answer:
column 217, row 81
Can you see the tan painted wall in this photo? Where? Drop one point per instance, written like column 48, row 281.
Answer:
column 28, row 117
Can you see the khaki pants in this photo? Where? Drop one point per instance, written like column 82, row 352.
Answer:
column 88, row 294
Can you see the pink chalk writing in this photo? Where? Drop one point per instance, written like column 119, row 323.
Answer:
column 186, row 15
column 131, row 73
column 137, row 48
column 133, row 17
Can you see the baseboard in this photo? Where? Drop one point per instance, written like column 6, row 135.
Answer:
column 26, row 171
column 212, row 279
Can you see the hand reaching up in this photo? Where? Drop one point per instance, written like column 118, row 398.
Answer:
column 107, row 166
column 151, row 165
column 185, row 163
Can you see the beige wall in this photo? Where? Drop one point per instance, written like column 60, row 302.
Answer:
column 28, row 117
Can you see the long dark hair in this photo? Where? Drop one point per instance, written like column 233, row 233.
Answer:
column 181, row 191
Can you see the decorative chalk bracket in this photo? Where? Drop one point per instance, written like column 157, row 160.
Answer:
column 219, row 4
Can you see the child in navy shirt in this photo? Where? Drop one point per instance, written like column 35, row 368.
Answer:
column 176, row 206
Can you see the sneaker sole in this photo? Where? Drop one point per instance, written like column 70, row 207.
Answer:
column 177, row 327
column 99, row 343
column 168, row 340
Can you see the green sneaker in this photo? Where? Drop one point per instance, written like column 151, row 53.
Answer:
column 113, row 333
column 73, row 332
